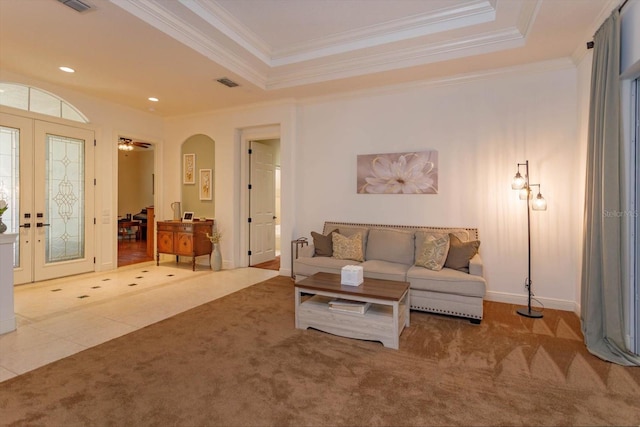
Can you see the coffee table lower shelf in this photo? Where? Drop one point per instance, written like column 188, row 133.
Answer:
column 384, row 321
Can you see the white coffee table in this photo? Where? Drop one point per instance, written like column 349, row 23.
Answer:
column 384, row 321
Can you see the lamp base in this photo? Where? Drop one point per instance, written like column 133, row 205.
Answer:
column 526, row 312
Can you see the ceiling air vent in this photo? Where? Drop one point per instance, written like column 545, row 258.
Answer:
column 76, row 5
column 227, row 82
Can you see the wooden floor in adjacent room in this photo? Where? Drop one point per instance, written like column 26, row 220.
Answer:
column 274, row 264
column 131, row 251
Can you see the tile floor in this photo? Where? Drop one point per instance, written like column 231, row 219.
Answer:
column 58, row 318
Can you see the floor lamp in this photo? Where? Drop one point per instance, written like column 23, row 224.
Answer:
column 539, row 204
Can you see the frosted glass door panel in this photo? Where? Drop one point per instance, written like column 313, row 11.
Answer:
column 64, row 184
column 16, row 188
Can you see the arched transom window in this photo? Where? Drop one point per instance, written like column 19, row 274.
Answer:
column 38, row 101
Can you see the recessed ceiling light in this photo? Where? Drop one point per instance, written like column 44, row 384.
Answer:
column 153, row 99
column 68, row 70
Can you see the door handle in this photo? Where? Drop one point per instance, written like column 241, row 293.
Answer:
column 27, row 225
column 39, row 224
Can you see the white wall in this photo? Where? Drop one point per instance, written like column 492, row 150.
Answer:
column 481, row 129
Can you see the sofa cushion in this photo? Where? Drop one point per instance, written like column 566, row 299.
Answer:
column 377, row 269
column 323, row 244
column 431, row 249
column 390, row 245
column 306, row 266
column 460, row 253
column 348, row 247
column 446, row 281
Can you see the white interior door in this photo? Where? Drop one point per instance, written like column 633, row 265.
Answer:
column 51, row 189
column 262, row 181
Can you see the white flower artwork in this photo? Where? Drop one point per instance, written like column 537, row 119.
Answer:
column 398, row 173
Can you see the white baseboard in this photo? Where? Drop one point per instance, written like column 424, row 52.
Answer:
column 556, row 304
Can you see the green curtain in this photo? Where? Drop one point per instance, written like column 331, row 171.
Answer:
column 603, row 290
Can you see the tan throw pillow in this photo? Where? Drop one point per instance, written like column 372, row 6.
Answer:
column 323, row 245
column 348, row 247
column 432, row 250
column 460, row 253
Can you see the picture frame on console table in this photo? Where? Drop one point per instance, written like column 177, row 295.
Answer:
column 187, row 217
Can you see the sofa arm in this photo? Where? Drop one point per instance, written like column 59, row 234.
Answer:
column 307, row 251
column 475, row 266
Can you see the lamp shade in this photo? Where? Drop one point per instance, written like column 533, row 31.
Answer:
column 523, row 194
column 539, row 204
column 518, row 182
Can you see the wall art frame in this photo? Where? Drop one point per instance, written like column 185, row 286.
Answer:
column 189, row 168
column 205, row 184
column 414, row 172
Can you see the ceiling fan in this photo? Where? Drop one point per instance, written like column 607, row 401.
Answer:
column 127, row 144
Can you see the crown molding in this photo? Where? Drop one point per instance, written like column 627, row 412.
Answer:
column 420, row 55
column 473, row 13
column 269, row 71
column 226, row 23
column 533, row 68
column 155, row 15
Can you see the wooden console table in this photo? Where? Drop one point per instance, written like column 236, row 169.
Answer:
column 184, row 238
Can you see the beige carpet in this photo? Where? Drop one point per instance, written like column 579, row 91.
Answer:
column 239, row 361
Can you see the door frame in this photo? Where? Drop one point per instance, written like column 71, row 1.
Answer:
column 245, row 136
column 158, row 183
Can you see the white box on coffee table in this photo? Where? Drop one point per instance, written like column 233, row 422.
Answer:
column 351, row 275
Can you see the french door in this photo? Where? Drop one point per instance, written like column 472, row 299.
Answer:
column 48, row 181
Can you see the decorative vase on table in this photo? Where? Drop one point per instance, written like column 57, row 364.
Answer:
column 216, row 262
column 3, row 226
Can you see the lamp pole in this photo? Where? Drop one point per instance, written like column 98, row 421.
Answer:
column 528, row 312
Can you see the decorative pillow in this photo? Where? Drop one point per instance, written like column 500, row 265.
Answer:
column 347, row 247
column 460, row 253
column 431, row 250
column 323, row 245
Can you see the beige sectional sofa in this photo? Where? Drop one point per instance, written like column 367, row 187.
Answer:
column 391, row 252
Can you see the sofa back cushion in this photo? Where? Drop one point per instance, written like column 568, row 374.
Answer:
column 390, row 245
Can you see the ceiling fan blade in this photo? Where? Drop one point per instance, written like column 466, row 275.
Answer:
column 141, row 144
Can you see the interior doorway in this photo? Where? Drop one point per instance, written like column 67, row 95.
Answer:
column 264, row 203
column 136, row 191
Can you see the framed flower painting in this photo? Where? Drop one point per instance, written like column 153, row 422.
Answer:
column 398, row 173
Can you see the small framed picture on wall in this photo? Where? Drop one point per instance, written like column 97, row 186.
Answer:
column 189, row 169
column 205, row 184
